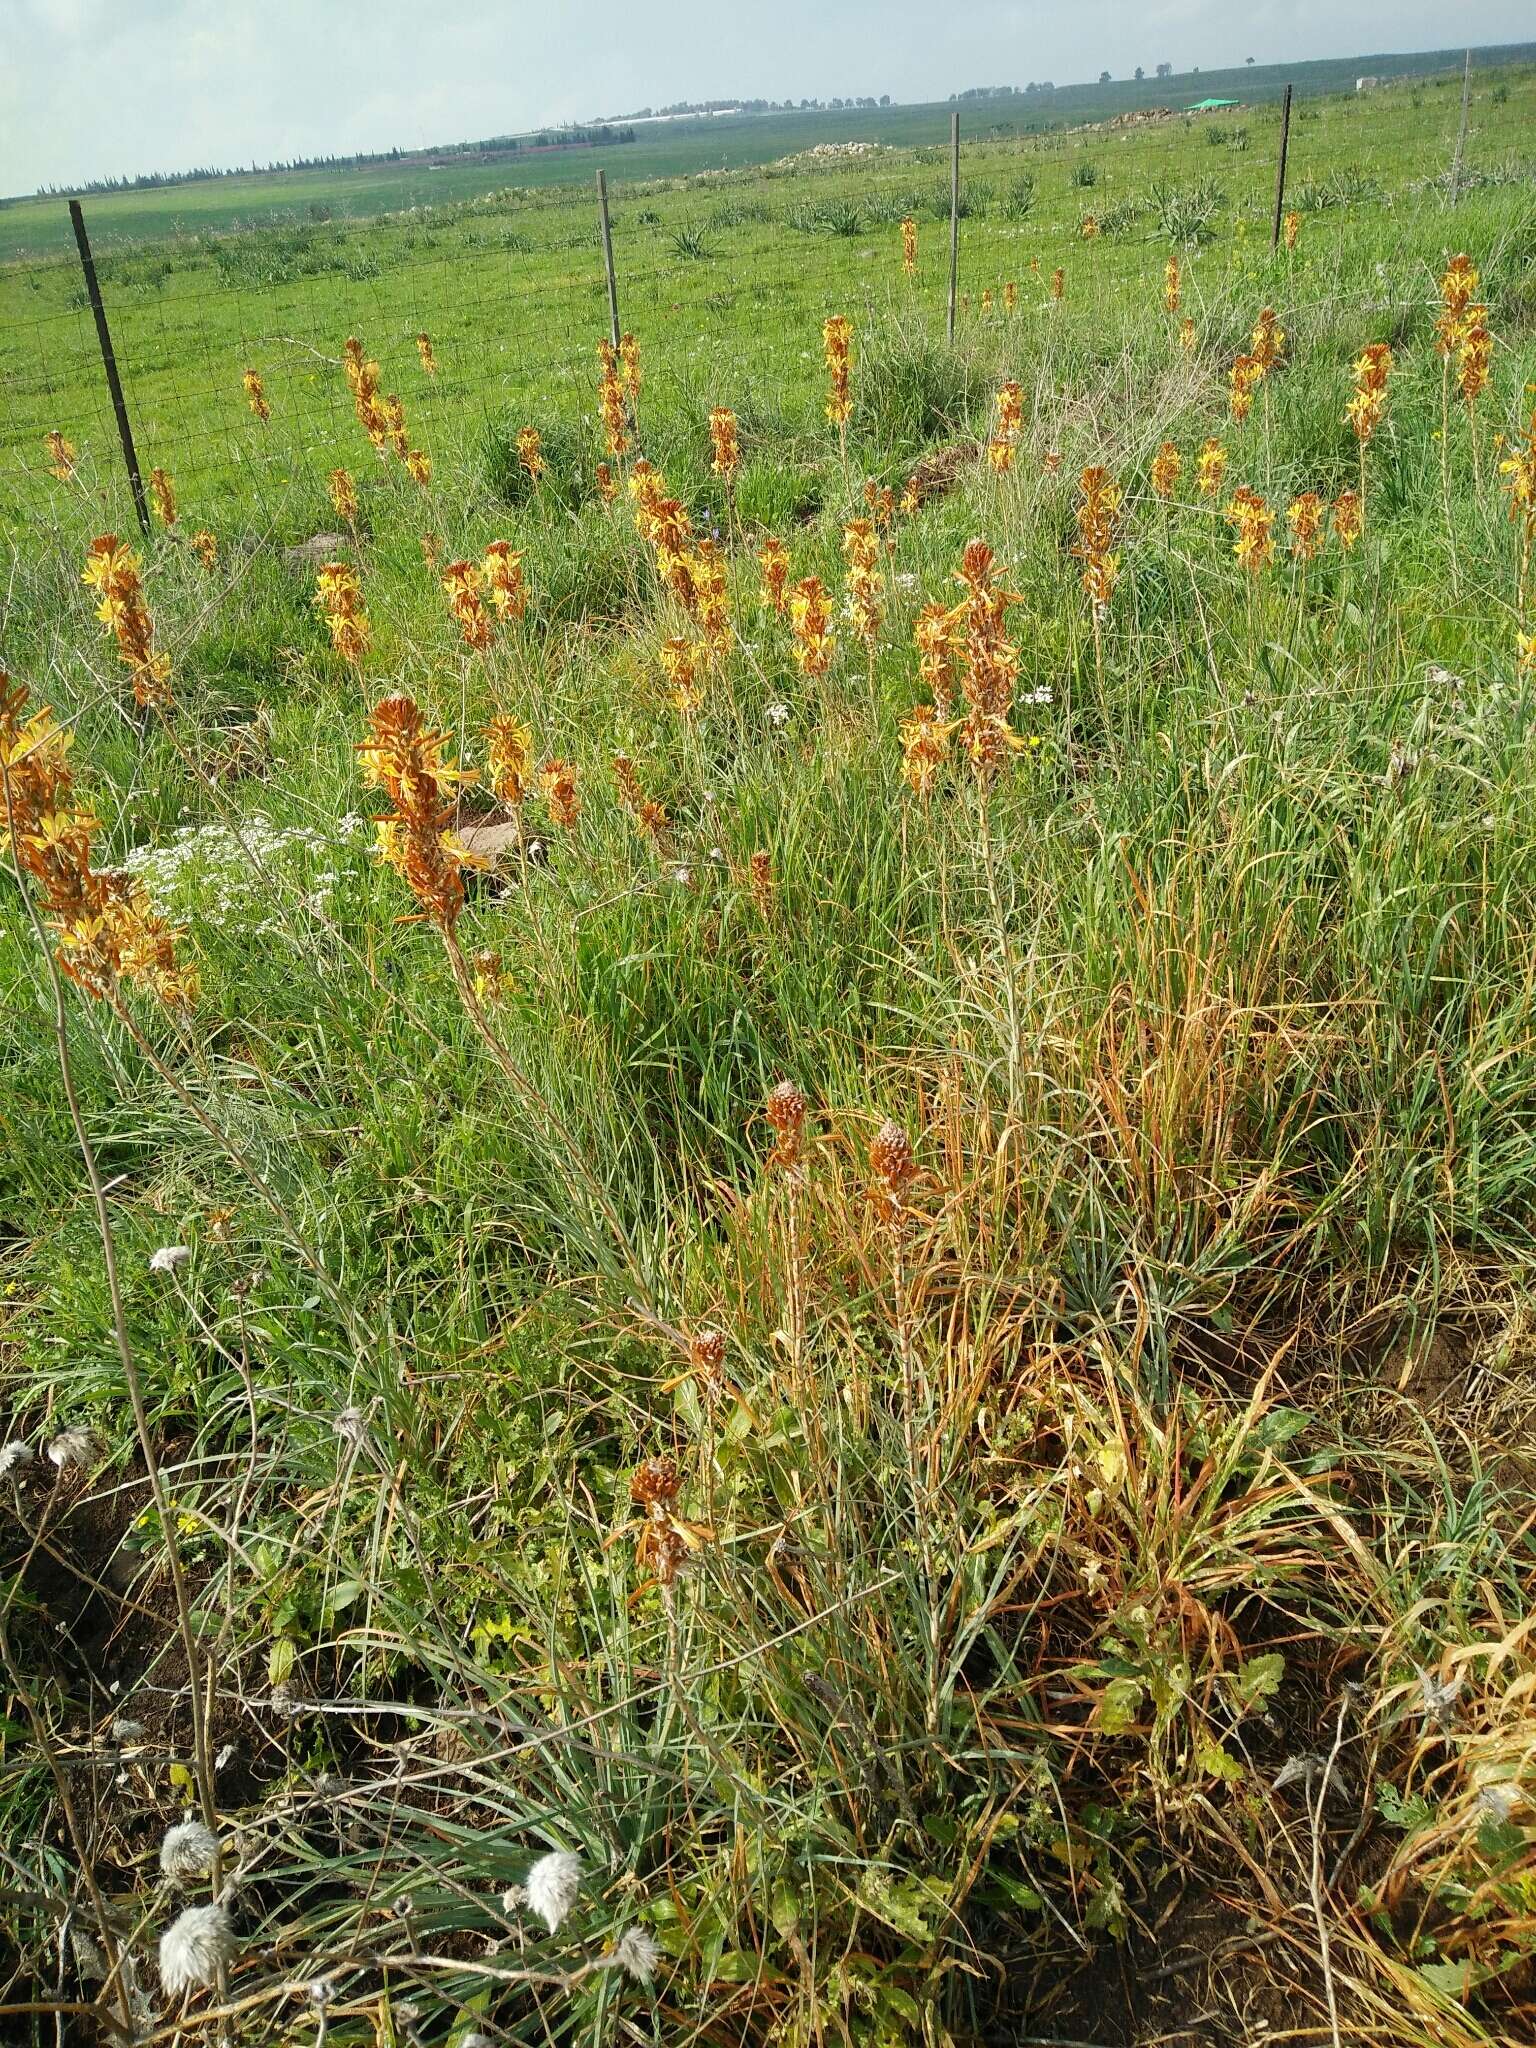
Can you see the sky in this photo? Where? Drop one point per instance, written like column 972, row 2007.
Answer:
column 96, row 88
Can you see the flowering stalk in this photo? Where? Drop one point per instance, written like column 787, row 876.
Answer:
column 611, row 401
column 1210, row 467
column 773, row 562
column 1164, row 476
column 164, row 495
column 989, row 661
column 461, row 583
column 424, row 350
column 256, row 395
column 61, row 455
column 1367, row 408
column 339, row 600
column 112, row 571
column 809, row 616
column 530, row 453
column 909, row 248
column 866, row 586
column 836, row 341
column 1005, row 435
column 343, row 496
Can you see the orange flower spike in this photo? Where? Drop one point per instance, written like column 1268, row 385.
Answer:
column 404, row 757
column 339, row 599
column 256, row 395
column 61, row 455
column 508, row 760
column 1097, row 512
column 424, row 350
column 1368, row 407
column 726, row 450
column 501, row 574
column 1254, row 546
column 461, row 583
column 343, row 494
column 909, row 247
column 112, row 571
column 837, row 339
column 1348, row 521
column 1458, row 289
column 1304, row 516
column 1268, row 341
column 161, row 491
column 773, row 564
column 612, row 400
column 810, row 613
column 1166, row 466
column 1210, row 467
column 557, row 785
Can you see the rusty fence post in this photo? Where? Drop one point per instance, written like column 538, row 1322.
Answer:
column 109, row 363
column 1285, row 144
column 954, row 216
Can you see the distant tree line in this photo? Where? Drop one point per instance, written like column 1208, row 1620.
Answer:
column 601, row 134
column 753, row 107
column 1036, row 89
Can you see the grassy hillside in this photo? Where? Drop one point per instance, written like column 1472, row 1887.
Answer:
column 31, row 227
column 872, row 1280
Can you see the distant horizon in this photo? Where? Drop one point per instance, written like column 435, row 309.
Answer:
column 93, row 91
column 742, row 106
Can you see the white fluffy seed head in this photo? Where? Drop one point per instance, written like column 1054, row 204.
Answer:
column 168, row 1257
column 194, row 1948
column 552, row 1886
column 188, row 1851
column 13, row 1456
column 637, row 1954
column 75, row 1449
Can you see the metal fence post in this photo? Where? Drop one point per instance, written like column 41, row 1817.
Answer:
column 1461, row 132
column 109, row 363
column 613, row 282
column 1285, row 143
column 954, row 216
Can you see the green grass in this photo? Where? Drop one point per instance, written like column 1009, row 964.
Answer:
column 1175, row 1426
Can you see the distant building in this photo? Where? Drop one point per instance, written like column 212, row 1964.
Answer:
column 1366, row 84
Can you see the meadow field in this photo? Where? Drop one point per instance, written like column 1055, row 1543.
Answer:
column 33, row 226
column 769, row 1109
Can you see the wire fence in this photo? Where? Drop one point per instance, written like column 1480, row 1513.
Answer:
column 724, row 279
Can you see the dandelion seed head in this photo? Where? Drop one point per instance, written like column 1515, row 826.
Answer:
column 351, row 1425
column 168, row 1257
column 77, row 1448
column 198, row 1943
column 14, row 1455
column 637, row 1954
column 189, row 1851
column 552, row 1886
column 125, row 1730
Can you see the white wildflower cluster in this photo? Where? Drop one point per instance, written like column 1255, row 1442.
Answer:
column 229, row 872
